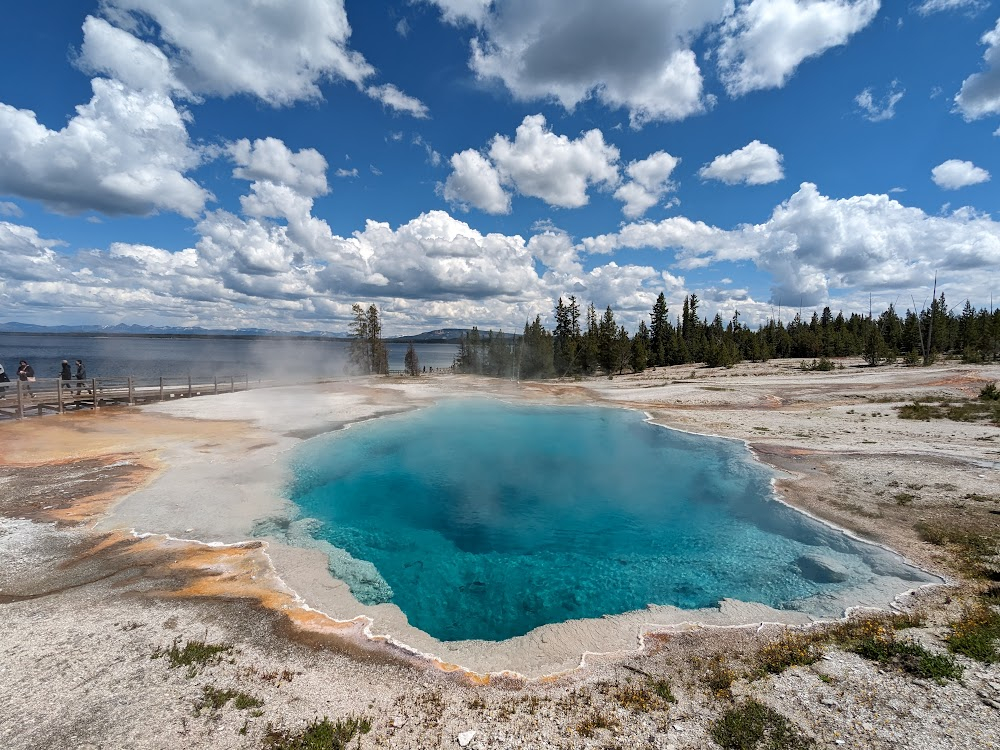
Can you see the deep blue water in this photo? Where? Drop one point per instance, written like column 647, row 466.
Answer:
column 155, row 356
column 485, row 520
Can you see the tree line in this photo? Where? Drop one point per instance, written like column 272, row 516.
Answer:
column 583, row 343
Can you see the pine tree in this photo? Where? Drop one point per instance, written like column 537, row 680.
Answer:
column 411, row 362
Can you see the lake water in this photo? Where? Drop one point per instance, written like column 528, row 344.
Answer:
column 154, row 356
column 485, row 520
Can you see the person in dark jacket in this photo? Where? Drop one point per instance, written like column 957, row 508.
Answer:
column 26, row 374
column 81, row 376
column 65, row 374
column 3, row 379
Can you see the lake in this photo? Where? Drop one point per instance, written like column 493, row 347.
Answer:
column 155, row 356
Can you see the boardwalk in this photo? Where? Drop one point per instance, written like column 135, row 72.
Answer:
column 54, row 396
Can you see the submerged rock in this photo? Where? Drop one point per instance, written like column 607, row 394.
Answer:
column 822, row 569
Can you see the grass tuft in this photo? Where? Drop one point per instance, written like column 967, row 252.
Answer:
column 597, row 720
column 976, row 634
column 193, row 654
column 745, row 726
column 214, row 700
column 318, row 734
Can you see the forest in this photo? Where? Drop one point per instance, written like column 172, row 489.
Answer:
column 584, row 343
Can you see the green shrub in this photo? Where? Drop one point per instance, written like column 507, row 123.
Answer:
column 318, row 735
column 990, row 392
column 745, row 726
column 976, row 634
column 193, row 654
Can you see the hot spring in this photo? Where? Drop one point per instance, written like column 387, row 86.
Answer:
column 483, row 520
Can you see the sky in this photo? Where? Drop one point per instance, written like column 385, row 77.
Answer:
column 268, row 163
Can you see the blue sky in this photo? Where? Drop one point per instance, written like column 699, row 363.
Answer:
column 460, row 162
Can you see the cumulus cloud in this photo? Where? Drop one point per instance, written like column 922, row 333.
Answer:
column 632, row 54
column 270, row 160
column 980, row 92
column 766, row 40
column 118, row 54
column 474, row 181
column 649, row 182
column 553, row 167
column 397, row 101
column 813, row 245
column 882, row 109
column 125, row 152
column 536, row 163
column 754, row 164
column 276, row 51
column 954, row 174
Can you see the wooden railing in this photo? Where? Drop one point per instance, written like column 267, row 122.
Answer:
column 53, row 395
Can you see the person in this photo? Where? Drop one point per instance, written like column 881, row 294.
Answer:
column 65, row 374
column 3, row 379
column 26, row 374
column 81, row 375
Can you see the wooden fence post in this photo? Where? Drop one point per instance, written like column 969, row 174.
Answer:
column 232, row 384
column 247, row 388
column 59, row 394
column 216, row 392
column 93, row 392
column 20, row 400
column 131, row 392
column 189, row 385
column 161, row 388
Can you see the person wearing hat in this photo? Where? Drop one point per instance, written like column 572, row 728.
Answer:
column 66, row 374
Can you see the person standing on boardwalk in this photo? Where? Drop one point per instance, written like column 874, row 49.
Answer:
column 3, row 379
column 65, row 374
column 81, row 375
column 26, row 374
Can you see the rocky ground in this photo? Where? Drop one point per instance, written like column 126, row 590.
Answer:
column 108, row 640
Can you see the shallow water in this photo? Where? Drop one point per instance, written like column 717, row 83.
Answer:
column 485, row 520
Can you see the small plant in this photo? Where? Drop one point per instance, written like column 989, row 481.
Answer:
column 596, row 720
column 790, row 650
column 990, row 392
column 977, row 634
column 821, row 365
column 975, row 549
column 719, row 677
column 904, row 498
column 318, row 735
column 214, row 699
column 655, row 696
column 193, row 654
column 745, row 726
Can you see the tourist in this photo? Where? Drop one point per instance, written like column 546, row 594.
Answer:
column 81, row 375
column 65, row 374
column 26, row 374
column 3, row 379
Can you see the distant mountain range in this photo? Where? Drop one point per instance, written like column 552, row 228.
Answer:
column 440, row 335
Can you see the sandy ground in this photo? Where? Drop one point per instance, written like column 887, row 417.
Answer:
column 126, row 529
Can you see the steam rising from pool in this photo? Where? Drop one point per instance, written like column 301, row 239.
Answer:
column 483, row 520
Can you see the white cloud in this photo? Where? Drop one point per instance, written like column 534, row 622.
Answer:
column 631, row 54
column 884, row 108
column 936, row 6
column 813, row 245
column 10, row 209
column 475, row 181
column 754, row 164
column 954, row 174
column 537, row 163
column 980, row 92
column 553, row 167
column 119, row 55
column 347, row 172
column 397, row 101
column 649, row 181
column 276, row 51
column 766, row 40
column 125, row 152
column 269, row 159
